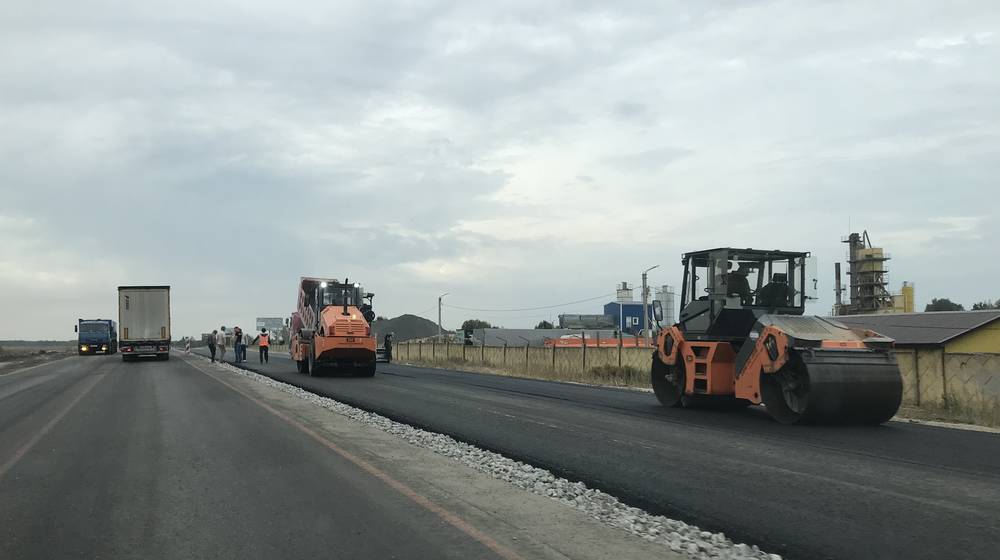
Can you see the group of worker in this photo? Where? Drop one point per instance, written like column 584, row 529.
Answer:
column 219, row 339
column 218, row 342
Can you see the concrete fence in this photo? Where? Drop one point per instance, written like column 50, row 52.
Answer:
column 960, row 386
column 933, row 378
column 563, row 364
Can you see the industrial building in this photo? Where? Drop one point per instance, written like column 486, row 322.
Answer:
column 568, row 321
column 532, row 337
column 946, row 358
column 955, row 332
column 275, row 326
column 627, row 312
column 868, row 281
column 624, row 315
column 272, row 324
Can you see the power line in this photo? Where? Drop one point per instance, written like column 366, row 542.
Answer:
column 431, row 308
column 528, row 308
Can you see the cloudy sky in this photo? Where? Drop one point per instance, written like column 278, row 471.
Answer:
column 515, row 154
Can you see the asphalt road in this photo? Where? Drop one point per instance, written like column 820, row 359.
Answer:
column 894, row 491
column 101, row 459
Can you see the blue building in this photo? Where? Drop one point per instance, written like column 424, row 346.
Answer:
column 628, row 316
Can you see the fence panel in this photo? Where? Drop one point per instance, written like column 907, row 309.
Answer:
column 569, row 363
column 911, row 382
column 638, row 358
column 602, row 357
column 928, row 368
column 540, row 361
column 973, row 378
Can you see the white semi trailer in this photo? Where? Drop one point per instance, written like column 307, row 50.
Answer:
column 144, row 322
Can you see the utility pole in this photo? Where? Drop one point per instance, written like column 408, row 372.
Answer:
column 440, row 297
column 621, row 317
column 645, row 305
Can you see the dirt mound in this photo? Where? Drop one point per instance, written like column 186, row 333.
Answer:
column 405, row 327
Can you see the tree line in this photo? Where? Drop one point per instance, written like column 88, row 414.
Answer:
column 473, row 324
column 945, row 304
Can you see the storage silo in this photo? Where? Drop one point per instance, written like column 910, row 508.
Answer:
column 625, row 292
column 665, row 295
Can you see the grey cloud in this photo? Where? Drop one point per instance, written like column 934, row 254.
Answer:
column 647, row 160
column 228, row 151
column 634, row 111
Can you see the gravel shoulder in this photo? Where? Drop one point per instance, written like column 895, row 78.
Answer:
column 16, row 362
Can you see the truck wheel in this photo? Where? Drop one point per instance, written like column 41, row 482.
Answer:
column 300, row 366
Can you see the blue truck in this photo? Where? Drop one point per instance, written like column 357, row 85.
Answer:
column 96, row 336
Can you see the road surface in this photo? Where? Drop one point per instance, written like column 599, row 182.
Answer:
column 895, row 491
column 104, row 459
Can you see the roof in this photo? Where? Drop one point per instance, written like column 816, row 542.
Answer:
column 534, row 337
column 772, row 253
column 933, row 327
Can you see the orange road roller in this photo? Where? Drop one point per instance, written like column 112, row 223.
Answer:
column 742, row 338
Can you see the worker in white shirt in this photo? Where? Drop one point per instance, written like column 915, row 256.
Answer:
column 220, row 343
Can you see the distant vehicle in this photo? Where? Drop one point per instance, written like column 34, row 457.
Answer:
column 96, row 336
column 144, row 322
column 331, row 329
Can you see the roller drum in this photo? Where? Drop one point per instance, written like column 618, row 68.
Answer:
column 835, row 386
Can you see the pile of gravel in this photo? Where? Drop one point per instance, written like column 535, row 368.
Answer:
column 677, row 535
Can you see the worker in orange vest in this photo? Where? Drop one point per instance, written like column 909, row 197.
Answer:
column 263, row 342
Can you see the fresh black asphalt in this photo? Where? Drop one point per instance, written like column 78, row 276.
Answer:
column 894, row 491
column 104, row 459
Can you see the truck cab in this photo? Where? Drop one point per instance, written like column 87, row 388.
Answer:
column 96, row 336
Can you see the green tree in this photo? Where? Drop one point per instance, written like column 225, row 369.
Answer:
column 944, row 304
column 544, row 325
column 472, row 324
column 983, row 305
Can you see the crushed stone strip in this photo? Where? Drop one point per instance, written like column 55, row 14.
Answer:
column 680, row 537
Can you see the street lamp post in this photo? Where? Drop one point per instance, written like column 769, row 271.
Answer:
column 645, row 305
column 440, row 297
